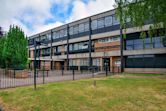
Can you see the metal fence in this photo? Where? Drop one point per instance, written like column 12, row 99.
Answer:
column 14, row 78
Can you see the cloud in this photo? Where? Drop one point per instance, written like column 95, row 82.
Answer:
column 31, row 15
column 82, row 9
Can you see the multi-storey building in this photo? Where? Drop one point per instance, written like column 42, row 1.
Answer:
column 95, row 41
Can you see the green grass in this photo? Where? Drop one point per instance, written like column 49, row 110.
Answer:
column 118, row 93
column 138, row 74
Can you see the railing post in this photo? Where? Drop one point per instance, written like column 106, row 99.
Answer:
column 43, row 76
column 62, row 71
column 73, row 74
column 106, row 71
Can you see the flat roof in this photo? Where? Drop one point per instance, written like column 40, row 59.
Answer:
column 35, row 35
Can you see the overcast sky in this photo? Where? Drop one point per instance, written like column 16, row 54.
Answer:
column 34, row 16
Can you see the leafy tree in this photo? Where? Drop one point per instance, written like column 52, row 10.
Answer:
column 142, row 11
column 2, row 62
column 15, row 48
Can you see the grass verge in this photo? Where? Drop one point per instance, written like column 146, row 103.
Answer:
column 120, row 93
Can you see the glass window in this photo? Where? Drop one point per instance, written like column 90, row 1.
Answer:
column 37, row 39
column 71, row 47
column 129, row 47
column 54, row 35
column 49, row 36
column 75, row 47
column 71, row 30
column 94, row 24
column 61, row 33
column 84, row 62
column 100, row 23
column 115, row 20
column 138, row 44
column 86, row 26
column 75, row 29
column 65, row 32
column 57, row 34
column 108, row 21
column 129, row 42
column 96, row 62
column 148, row 43
column 81, row 28
column 72, row 62
column 65, row 48
column 59, row 49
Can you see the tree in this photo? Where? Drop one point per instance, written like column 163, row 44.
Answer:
column 141, row 11
column 2, row 62
column 15, row 48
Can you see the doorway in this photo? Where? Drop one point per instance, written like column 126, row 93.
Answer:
column 106, row 64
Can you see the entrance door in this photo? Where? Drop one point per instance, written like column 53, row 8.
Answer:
column 106, row 63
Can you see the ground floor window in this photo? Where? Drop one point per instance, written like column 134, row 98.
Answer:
column 146, row 61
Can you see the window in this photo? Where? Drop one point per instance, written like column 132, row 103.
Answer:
column 58, row 49
column 86, row 26
column 138, row 44
column 46, row 51
column 84, row 62
column 57, row 34
column 148, row 43
column 115, row 20
column 37, row 39
column 49, row 36
column 81, row 28
column 129, row 45
column 61, row 33
column 158, row 42
column 94, row 24
column 65, row 32
column 75, row 29
column 108, row 21
column 75, row 47
column 100, row 23
column 110, row 39
column 54, row 35
column 96, row 62
column 70, row 47
column 71, row 30
column 72, row 62
column 65, row 48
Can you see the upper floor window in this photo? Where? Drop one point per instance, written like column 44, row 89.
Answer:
column 56, row 35
column 71, row 30
column 37, row 39
column 115, row 20
column 100, row 23
column 94, row 24
column 108, row 21
column 75, row 29
column 48, row 36
column 81, row 28
column 86, row 26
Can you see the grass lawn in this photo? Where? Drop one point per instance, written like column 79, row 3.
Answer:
column 116, row 93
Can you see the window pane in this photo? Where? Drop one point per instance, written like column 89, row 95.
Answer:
column 86, row 26
column 94, row 24
column 61, row 33
column 100, row 23
column 65, row 32
column 49, row 36
column 75, row 29
column 81, row 28
column 115, row 20
column 108, row 21
column 71, row 30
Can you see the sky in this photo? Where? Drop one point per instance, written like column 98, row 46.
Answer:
column 35, row 16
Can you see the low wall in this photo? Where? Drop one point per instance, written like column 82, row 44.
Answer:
column 145, row 70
